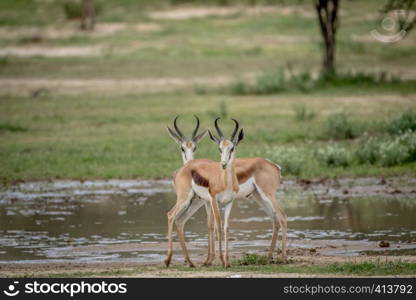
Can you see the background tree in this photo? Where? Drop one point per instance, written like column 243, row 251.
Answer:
column 327, row 11
column 87, row 15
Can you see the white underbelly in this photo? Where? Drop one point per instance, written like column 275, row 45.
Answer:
column 223, row 197
column 201, row 191
column 246, row 188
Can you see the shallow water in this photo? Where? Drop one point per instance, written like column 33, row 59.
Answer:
column 41, row 222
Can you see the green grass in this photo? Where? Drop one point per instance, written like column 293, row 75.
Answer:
column 366, row 268
column 111, row 136
column 362, row 268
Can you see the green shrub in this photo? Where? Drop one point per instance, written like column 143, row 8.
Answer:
column 368, row 150
column 333, row 156
column 355, row 79
column 284, row 80
column 403, row 122
column 399, row 150
column 290, row 159
column 269, row 83
column 302, row 113
column 239, row 87
column 12, row 127
column 339, row 126
column 387, row 151
column 73, row 9
column 273, row 83
column 249, row 259
column 392, row 153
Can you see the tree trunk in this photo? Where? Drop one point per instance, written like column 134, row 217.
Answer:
column 87, row 15
column 328, row 21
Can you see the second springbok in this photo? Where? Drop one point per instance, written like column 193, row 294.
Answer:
column 256, row 177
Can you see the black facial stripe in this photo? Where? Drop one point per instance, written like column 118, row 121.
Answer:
column 229, row 154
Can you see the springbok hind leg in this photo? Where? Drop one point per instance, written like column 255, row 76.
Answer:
column 181, row 219
column 181, row 204
column 269, row 203
column 171, row 219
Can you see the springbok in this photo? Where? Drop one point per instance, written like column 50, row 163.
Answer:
column 188, row 147
column 258, row 178
column 210, row 181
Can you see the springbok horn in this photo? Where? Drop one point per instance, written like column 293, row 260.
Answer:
column 218, row 129
column 196, row 128
column 177, row 129
column 235, row 129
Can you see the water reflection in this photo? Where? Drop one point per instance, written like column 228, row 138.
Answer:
column 37, row 219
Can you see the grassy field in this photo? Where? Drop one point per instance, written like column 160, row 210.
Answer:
column 51, row 127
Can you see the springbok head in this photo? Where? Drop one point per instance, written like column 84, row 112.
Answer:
column 188, row 146
column 227, row 147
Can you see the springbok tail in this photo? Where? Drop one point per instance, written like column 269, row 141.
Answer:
column 279, row 169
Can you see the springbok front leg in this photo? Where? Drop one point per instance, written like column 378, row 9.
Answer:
column 227, row 212
column 217, row 218
column 211, row 236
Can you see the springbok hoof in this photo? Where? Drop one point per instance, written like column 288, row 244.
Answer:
column 167, row 263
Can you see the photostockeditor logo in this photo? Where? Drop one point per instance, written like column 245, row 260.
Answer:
column 71, row 289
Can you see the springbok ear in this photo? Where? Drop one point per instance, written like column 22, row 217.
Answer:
column 240, row 136
column 213, row 137
column 174, row 136
column 200, row 136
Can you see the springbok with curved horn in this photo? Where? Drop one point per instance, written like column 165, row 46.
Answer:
column 188, row 146
column 210, row 181
column 260, row 179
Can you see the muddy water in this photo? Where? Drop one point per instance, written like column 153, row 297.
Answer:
column 126, row 219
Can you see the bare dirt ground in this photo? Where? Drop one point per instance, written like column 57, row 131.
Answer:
column 311, row 253
column 76, row 86
column 140, row 270
column 183, row 13
column 50, row 51
column 28, row 86
column 71, row 29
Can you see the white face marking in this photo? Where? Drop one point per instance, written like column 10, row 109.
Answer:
column 227, row 152
column 187, row 150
